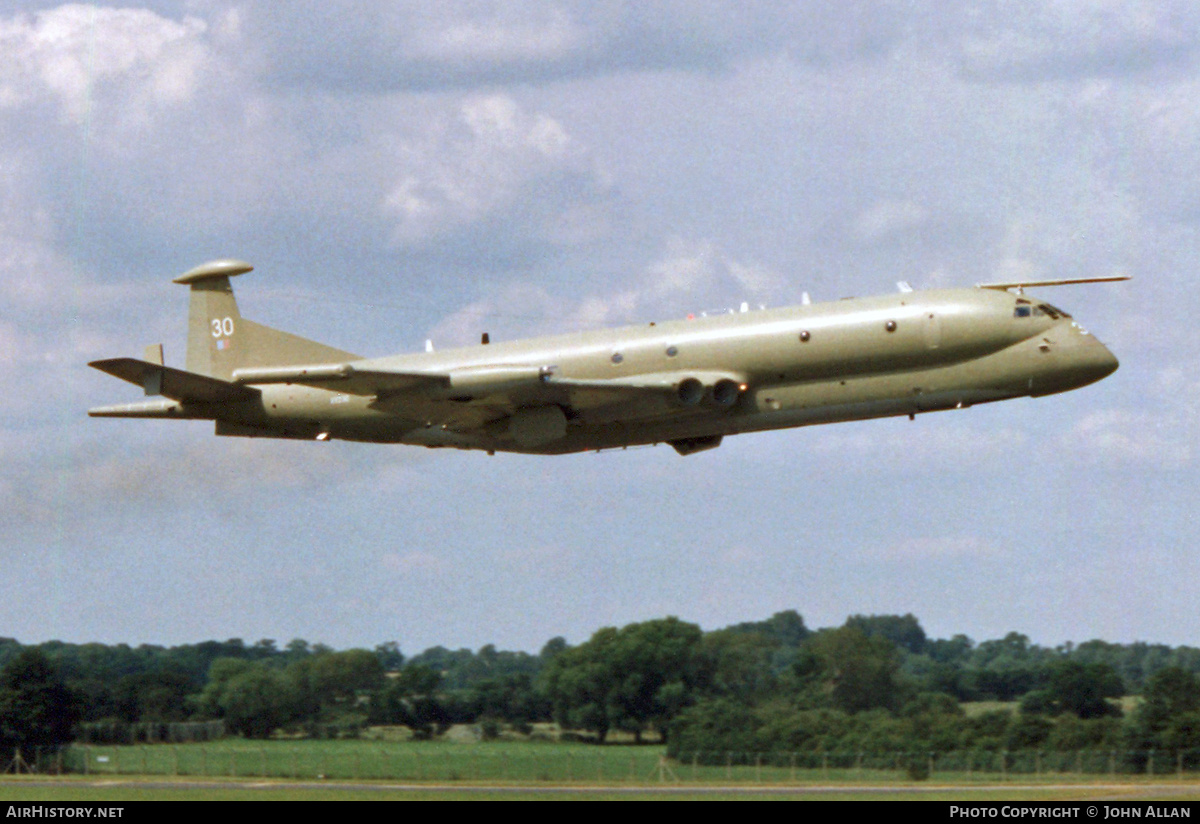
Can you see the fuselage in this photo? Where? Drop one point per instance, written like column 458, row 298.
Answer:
column 900, row 354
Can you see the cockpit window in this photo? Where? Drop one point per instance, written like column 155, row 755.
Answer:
column 1052, row 311
column 1023, row 311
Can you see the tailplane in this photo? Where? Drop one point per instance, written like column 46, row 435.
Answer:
column 220, row 340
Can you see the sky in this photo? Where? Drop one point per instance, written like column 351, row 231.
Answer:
column 398, row 171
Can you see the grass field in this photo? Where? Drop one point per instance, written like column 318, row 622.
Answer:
column 449, row 760
column 131, row 789
column 304, row 769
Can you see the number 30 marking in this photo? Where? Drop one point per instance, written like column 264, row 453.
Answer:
column 222, row 326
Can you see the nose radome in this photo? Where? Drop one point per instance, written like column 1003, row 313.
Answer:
column 1091, row 361
column 1076, row 361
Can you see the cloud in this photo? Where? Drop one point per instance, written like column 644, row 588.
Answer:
column 887, row 219
column 1159, row 439
column 92, row 58
column 416, row 46
column 489, row 161
column 933, row 447
column 85, row 479
column 1064, row 40
column 689, row 277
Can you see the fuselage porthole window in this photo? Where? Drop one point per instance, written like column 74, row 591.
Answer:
column 804, row 336
column 672, row 351
column 617, row 357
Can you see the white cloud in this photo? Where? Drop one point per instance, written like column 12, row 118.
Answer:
column 931, row 443
column 1160, row 439
column 81, row 55
column 888, row 218
column 85, row 481
column 506, row 34
column 1063, row 39
column 487, row 159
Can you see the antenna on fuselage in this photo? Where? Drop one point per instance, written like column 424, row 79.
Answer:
column 805, row 299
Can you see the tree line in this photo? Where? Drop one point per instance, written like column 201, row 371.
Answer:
column 876, row 683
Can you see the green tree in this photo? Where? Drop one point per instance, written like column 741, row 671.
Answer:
column 787, row 628
column 253, row 698
column 635, row 678
column 36, row 708
column 1169, row 693
column 902, row 630
column 410, row 700
column 852, row 671
column 1077, row 688
column 741, row 664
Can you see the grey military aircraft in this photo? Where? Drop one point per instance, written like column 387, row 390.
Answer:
column 687, row 382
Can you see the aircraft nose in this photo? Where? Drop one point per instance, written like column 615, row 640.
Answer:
column 1076, row 359
column 1088, row 361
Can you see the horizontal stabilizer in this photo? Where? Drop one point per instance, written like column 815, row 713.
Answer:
column 175, row 383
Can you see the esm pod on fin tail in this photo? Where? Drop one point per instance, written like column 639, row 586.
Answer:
column 688, row 383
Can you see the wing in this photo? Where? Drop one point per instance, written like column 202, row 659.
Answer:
column 469, row 398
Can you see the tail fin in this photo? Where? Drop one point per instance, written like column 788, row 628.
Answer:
column 220, row 340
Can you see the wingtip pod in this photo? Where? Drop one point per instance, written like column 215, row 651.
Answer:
column 223, row 268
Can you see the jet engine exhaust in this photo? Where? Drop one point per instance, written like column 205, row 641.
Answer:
column 725, row 393
column 690, row 391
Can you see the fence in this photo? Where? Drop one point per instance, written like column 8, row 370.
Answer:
column 524, row 762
